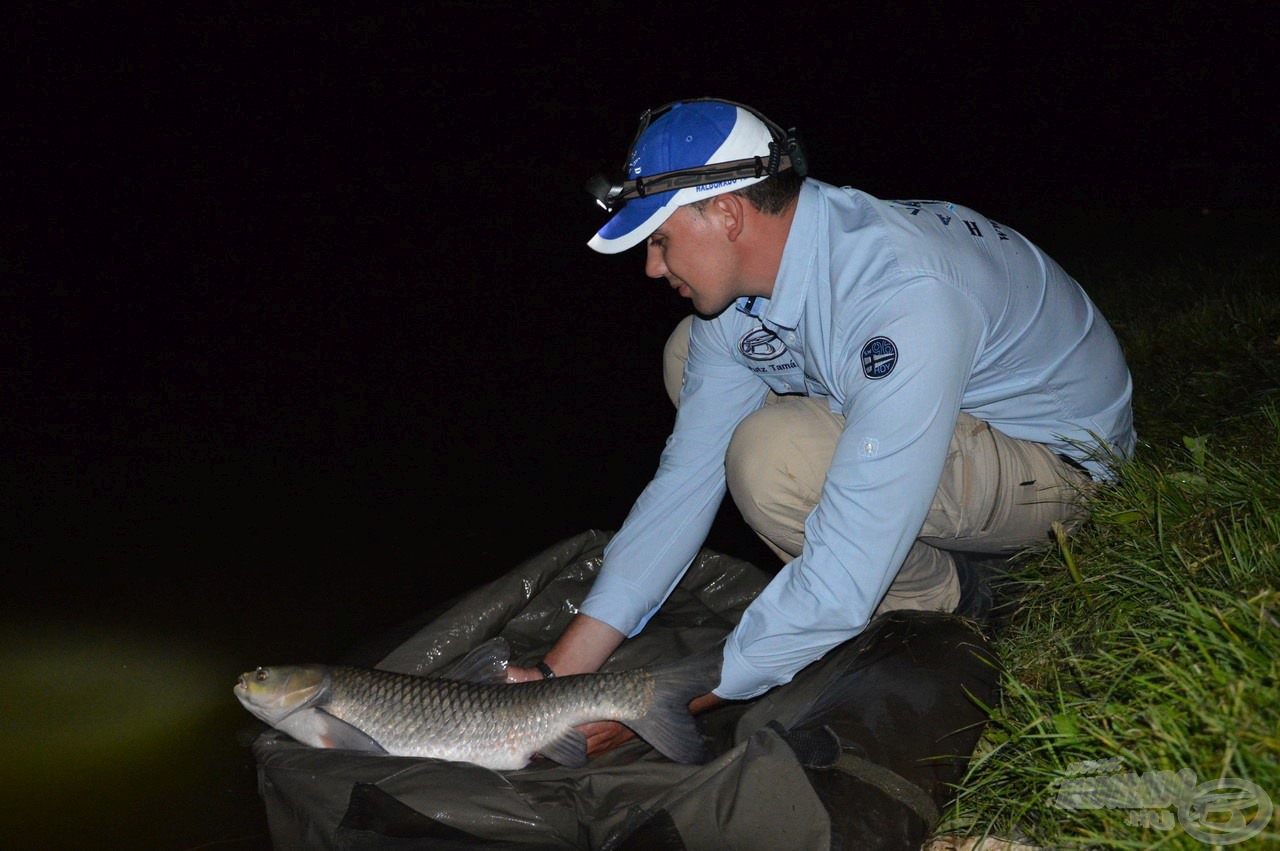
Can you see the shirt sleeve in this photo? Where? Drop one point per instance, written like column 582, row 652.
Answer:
column 882, row 480
column 670, row 520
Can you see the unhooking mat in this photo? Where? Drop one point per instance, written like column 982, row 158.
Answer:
column 859, row 751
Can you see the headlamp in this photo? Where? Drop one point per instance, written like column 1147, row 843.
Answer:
column 785, row 151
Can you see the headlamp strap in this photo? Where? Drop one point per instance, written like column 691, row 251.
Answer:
column 785, row 151
column 775, row 159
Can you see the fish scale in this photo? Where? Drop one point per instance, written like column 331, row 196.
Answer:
column 451, row 719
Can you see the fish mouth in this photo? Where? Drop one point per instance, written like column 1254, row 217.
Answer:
column 242, row 684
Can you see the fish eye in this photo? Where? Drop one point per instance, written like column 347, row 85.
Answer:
column 261, row 674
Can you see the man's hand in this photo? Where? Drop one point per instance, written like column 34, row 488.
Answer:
column 604, row 736
column 710, row 700
column 581, row 649
column 522, row 675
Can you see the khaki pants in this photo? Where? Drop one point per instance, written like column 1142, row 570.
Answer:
column 996, row 495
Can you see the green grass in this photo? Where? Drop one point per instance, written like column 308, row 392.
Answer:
column 1153, row 635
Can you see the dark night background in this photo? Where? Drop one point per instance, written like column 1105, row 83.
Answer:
column 302, row 335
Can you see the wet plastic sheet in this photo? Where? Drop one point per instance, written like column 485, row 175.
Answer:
column 857, row 752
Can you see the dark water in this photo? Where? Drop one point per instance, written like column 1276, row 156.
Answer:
column 146, row 579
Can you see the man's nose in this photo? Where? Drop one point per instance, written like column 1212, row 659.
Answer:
column 654, row 266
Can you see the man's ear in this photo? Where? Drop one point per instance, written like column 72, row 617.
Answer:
column 731, row 209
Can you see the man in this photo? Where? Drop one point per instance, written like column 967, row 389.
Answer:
column 879, row 385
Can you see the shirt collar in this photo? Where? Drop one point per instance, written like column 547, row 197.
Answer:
column 752, row 305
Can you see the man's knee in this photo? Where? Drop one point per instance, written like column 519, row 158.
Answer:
column 674, row 355
column 776, row 465
column 753, row 465
column 770, row 501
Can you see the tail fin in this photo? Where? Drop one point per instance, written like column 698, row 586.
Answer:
column 667, row 725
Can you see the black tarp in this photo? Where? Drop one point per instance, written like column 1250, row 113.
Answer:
column 858, row 751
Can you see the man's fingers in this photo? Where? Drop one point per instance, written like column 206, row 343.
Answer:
column 604, row 736
column 522, row 675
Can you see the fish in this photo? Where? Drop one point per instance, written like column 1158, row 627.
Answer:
column 474, row 716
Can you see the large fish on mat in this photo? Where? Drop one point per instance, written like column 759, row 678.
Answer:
column 476, row 717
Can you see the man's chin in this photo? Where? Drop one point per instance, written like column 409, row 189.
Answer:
column 708, row 310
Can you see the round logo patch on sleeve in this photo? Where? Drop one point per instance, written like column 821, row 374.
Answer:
column 879, row 357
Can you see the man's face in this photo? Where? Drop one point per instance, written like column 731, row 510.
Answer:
column 691, row 251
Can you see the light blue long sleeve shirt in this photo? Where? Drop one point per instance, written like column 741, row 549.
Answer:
column 900, row 314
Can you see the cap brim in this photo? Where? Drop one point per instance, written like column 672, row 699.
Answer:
column 634, row 223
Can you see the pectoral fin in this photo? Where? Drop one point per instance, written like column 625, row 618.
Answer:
column 319, row 729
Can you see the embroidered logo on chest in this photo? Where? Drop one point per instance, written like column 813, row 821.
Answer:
column 761, row 344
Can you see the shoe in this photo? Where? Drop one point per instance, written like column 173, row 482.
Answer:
column 975, row 594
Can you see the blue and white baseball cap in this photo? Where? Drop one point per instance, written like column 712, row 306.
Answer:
column 689, row 135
